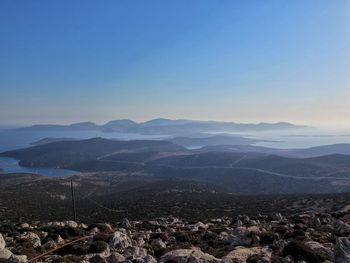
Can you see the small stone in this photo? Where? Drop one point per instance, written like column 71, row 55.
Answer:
column 94, row 231
column 158, row 244
column 126, row 223
column 277, row 217
column 50, row 245
column 24, row 226
column 83, row 226
column 201, row 225
column 71, row 223
column 140, row 242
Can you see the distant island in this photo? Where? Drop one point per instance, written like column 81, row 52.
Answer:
column 164, row 126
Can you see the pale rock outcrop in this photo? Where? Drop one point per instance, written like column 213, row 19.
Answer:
column 254, row 230
column 199, row 225
column 24, row 226
column 71, row 223
column 193, row 255
column 120, row 240
column 83, row 226
column 241, row 254
column 135, row 252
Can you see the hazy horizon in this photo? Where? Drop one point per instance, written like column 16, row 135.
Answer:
column 99, row 122
column 324, row 127
column 317, row 130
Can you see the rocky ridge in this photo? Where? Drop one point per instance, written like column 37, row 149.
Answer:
column 309, row 237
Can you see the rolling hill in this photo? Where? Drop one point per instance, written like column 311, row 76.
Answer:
column 235, row 172
column 322, row 150
column 64, row 154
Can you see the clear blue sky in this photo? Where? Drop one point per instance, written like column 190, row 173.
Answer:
column 245, row 61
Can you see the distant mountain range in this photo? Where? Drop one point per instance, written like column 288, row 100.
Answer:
column 164, row 126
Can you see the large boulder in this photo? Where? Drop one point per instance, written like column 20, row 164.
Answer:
column 239, row 237
column 241, row 254
column 99, row 247
column 298, row 250
column 120, row 240
column 32, row 238
column 115, row 257
column 319, row 249
column 342, row 250
column 5, row 253
column 193, row 255
column 18, row 259
column 97, row 259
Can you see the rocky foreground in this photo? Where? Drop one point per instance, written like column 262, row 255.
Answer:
column 300, row 238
